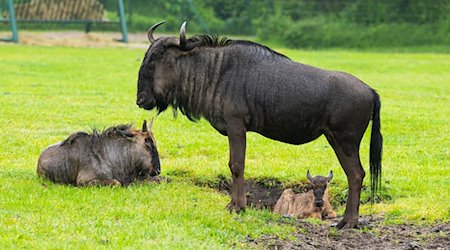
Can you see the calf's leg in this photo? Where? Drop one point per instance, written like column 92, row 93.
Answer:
column 328, row 213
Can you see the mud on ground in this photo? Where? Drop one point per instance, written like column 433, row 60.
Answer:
column 372, row 234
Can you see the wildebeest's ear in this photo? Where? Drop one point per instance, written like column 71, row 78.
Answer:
column 73, row 137
column 144, row 126
column 184, row 46
column 150, row 31
column 308, row 175
column 125, row 133
column 330, row 176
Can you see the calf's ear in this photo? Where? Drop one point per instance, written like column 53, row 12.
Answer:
column 330, row 176
column 144, row 126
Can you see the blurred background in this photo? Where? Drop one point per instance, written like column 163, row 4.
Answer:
column 287, row 23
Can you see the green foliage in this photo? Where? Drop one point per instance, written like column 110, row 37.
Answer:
column 308, row 23
column 291, row 23
column 323, row 32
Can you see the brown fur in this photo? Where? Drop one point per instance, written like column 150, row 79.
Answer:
column 304, row 205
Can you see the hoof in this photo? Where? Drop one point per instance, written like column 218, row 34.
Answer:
column 349, row 224
column 233, row 207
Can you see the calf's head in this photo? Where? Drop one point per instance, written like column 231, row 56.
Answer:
column 319, row 185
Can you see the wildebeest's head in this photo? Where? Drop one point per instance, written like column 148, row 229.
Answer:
column 319, row 185
column 159, row 70
column 145, row 138
column 144, row 153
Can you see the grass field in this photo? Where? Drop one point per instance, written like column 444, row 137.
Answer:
column 46, row 93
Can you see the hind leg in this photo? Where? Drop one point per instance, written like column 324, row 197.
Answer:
column 346, row 148
column 284, row 202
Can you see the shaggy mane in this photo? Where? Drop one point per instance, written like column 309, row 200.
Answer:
column 115, row 131
column 118, row 130
column 217, row 41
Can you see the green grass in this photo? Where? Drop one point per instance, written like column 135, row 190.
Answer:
column 46, row 93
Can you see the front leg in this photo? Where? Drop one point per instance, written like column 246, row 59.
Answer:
column 237, row 143
column 98, row 182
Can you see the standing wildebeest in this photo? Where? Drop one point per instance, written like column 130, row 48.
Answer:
column 117, row 156
column 313, row 204
column 241, row 86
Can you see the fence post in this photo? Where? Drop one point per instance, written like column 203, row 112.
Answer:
column 123, row 23
column 12, row 21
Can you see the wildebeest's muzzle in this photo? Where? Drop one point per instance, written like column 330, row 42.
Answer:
column 155, row 172
column 156, row 165
column 318, row 203
column 146, row 100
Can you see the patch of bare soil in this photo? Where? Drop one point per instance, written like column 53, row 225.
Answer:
column 261, row 194
column 79, row 39
column 372, row 234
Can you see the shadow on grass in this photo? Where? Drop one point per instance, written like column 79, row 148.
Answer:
column 263, row 192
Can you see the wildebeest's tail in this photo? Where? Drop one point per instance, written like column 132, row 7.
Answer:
column 376, row 148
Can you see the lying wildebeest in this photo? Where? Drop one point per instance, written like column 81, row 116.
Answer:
column 116, row 156
column 313, row 204
column 241, row 86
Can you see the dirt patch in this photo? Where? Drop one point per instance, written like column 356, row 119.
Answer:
column 261, row 193
column 79, row 39
column 372, row 234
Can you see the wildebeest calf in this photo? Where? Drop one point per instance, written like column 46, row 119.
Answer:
column 312, row 204
column 116, row 156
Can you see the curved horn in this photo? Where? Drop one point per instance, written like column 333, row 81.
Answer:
column 308, row 175
column 183, row 36
column 183, row 41
column 150, row 31
column 330, row 175
column 144, row 126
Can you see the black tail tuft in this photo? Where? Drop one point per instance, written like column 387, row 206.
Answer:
column 376, row 149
